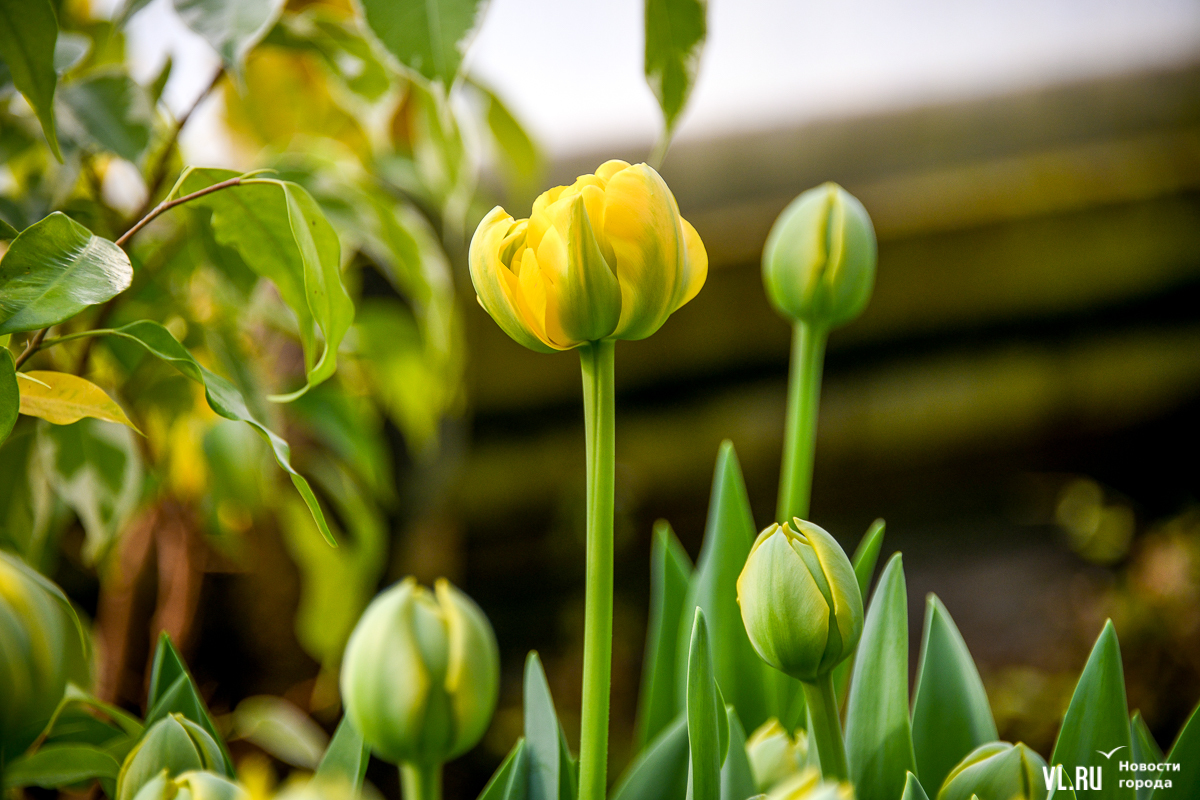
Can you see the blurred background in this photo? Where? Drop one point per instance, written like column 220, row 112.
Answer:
column 1021, row 401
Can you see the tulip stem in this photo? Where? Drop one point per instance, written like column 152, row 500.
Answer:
column 421, row 781
column 825, row 728
column 800, row 431
column 599, row 412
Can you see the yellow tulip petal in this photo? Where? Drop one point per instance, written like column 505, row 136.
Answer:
column 584, row 302
column 609, row 168
column 641, row 226
column 695, row 264
column 492, row 286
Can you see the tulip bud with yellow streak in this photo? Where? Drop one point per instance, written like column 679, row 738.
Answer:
column 608, row 257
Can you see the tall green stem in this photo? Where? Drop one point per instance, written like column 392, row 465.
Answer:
column 800, row 432
column 599, row 411
column 826, row 729
column 421, row 781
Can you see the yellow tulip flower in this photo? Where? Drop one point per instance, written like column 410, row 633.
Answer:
column 607, row 257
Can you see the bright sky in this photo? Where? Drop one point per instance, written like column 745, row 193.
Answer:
column 572, row 70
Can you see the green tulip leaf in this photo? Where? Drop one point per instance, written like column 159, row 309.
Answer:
column 670, row 570
column 111, row 111
column 346, row 757
column 511, row 780
column 913, row 789
column 675, row 34
column 708, row 726
column 737, row 778
column 427, row 36
column 224, row 398
column 28, row 32
column 281, row 233
column 53, row 270
column 54, row 766
column 551, row 770
column 951, row 715
column 1186, row 753
column 755, row 690
column 866, row 556
column 661, row 768
column 1143, row 749
column 879, row 744
column 1097, row 720
column 10, row 393
column 173, row 691
column 231, row 27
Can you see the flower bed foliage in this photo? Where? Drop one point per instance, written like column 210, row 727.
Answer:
column 225, row 310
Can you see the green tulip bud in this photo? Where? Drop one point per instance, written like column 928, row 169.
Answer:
column 800, row 600
column 421, row 673
column 173, row 745
column 996, row 771
column 774, row 755
column 807, row 785
column 819, row 259
column 40, row 650
column 193, row 785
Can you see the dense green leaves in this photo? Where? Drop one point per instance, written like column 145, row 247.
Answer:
column 755, row 690
column 670, row 571
column 427, row 36
column 1097, row 719
column 224, row 398
column 346, row 757
column 281, row 233
column 10, row 394
column 111, row 111
column 28, row 30
column 660, row 772
column 675, row 33
column 232, row 27
column 879, row 744
column 951, row 715
column 53, row 270
column 707, row 723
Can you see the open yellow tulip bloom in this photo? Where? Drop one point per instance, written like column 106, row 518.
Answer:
column 607, row 257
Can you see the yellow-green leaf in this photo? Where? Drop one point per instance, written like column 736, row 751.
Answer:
column 61, row 398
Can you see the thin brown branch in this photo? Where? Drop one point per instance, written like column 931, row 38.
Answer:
column 159, row 175
column 31, row 347
column 167, row 205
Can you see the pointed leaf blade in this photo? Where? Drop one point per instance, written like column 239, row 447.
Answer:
column 510, row 780
column 59, row 765
column 173, row 690
column 10, row 394
column 913, row 789
column 675, row 34
column 866, row 556
column 704, row 739
column 879, row 745
column 429, row 37
column 660, row 771
column 541, row 733
column 53, row 270
column 670, row 571
column 346, row 757
column 1097, row 720
column 1186, row 753
column 61, row 398
column 737, row 778
column 951, row 715
column 232, row 27
column 28, row 32
column 110, row 110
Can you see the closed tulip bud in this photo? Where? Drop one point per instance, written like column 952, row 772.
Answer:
column 807, row 785
column 173, row 745
column 996, row 771
column 819, row 259
column 800, row 600
column 774, row 755
column 421, row 673
column 607, row 257
column 40, row 650
column 192, row 785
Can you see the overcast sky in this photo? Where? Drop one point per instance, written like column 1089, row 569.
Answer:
column 572, row 70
